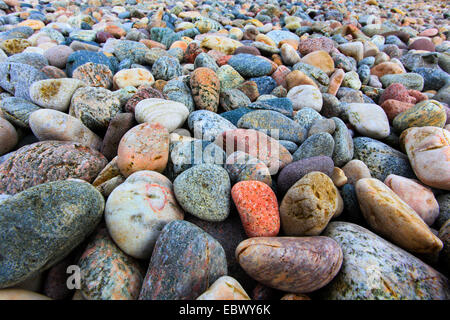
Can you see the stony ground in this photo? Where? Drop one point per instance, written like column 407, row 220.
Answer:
column 224, row 150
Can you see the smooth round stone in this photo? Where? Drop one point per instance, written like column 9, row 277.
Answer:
column 273, row 124
column 48, row 161
column 305, row 117
column 256, row 144
column 144, row 147
column 108, row 273
column 290, row 264
column 12, row 78
column 313, row 72
column 391, row 217
column 205, row 86
column 322, row 125
column 133, row 77
column 225, row 288
column 320, row 144
column 170, row 114
column 434, row 79
column 8, row 136
column 118, row 126
column 145, row 92
column 264, row 84
column 231, row 99
column 249, row 65
column 353, row 49
column 420, row 198
column 229, row 78
column 14, row 46
column 54, row 93
column 351, row 80
column 57, row 56
column 179, row 91
column 424, row 113
column 81, row 57
column 289, row 55
column 53, row 72
column 221, row 44
column 314, row 44
column 94, row 75
column 412, row 81
column 369, row 119
column 305, row 96
column 243, row 167
column 320, row 59
column 371, row 269
column 309, row 205
column 203, row 60
column 280, row 35
column 185, row 258
column 385, row 68
column 95, row 107
column 38, row 240
column 48, row 124
column 17, row 110
column 204, row 191
column 207, row 125
column 258, row 208
column 166, row 68
column 187, row 154
column 427, row 149
column 381, row 159
column 126, row 49
column 343, row 143
column 21, row 294
column 355, row 170
column 138, row 209
column 296, row 170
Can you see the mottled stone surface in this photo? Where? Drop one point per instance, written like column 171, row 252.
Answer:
column 41, row 225
column 374, row 269
column 48, row 161
column 185, row 261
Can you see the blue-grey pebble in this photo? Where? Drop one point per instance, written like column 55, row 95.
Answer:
column 320, row 144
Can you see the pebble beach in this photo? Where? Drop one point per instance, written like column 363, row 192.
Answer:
column 224, row 150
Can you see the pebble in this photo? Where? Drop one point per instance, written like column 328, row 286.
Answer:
column 258, row 208
column 319, row 144
column 205, row 86
column 369, row 119
column 225, row 288
column 133, row 77
column 8, row 136
column 425, row 113
column 143, row 147
column 305, row 96
column 170, row 114
column 185, row 257
column 207, row 125
column 94, row 75
column 355, row 170
column 138, row 209
column 54, row 93
column 204, row 191
column 250, row 66
column 68, row 228
column 309, row 205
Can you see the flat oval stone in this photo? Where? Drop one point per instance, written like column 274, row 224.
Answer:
column 144, row 147
column 424, row 113
column 291, row 264
column 256, row 144
column 54, row 93
column 138, row 209
column 427, row 149
column 391, row 217
column 95, row 107
column 48, row 161
column 205, row 86
column 166, row 68
column 369, row 119
column 184, row 262
column 343, row 143
column 8, row 136
column 48, row 124
column 309, row 205
column 375, row 269
column 319, row 144
column 381, row 159
column 17, row 111
column 204, row 191
column 273, row 124
column 94, row 75
column 187, row 154
column 243, row 167
column 39, row 229
column 225, row 288
column 296, row 170
column 207, row 125
column 107, row 272
column 305, row 96
column 258, row 208
column 249, row 65
column 133, row 77
column 420, row 198
column 229, row 77
column 170, row 114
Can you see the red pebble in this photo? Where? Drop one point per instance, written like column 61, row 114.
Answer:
column 258, row 208
column 398, row 92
